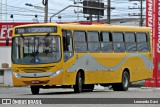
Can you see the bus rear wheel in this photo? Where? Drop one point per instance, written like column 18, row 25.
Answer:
column 79, row 83
column 35, row 90
column 124, row 85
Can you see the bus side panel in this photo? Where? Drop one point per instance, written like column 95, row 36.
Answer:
column 117, row 63
column 69, row 75
column 140, row 67
column 69, row 78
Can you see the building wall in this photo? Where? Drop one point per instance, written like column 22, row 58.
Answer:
column 5, row 55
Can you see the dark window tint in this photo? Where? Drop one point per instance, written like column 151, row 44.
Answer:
column 93, row 41
column 80, row 42
column 79, row 36
column 130, row 42
column 92, row 37
column 141, row 37
column 119, row 47
column 117, row 37
column 142, row 47
column 68, row 44
column 105, row 37
column 106, row 42
column 142, row 44
column 118, row 42
column 148, row 41
column 130, row 37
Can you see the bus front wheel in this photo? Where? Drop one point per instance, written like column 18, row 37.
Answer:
column 124, row 85
column 79, row 83
column 35, row 89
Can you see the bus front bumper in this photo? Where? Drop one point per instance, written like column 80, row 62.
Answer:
column 28, row 79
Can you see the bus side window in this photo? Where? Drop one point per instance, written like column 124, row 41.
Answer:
column 67, row 44
column 142, row 44
column 130, row 42
column 148, row 41
column 106, row 42
column 93, row 41
column 118, row 42
column 80, row 42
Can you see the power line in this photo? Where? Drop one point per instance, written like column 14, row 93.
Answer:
column 22, row 14
column 31, row 12
column 20, row 9
column 141, row 11
column 13, row 7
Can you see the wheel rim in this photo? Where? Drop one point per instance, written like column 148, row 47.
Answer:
column 80, row 83
column 125, row 81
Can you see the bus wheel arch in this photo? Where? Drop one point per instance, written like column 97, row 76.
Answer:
column 78, row 87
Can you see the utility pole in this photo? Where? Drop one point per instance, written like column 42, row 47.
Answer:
column 45, row 3
column 109, row 11
column 99, row 12
column 90, row 17
column 141, row 11
column 78, row 10
column 141, row 22
column 72, row 6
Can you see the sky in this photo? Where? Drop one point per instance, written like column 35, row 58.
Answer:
column 23, row 13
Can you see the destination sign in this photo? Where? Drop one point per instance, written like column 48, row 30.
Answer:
column 36, row 29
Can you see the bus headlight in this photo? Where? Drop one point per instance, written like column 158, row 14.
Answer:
column 55, row 73
column 16, row 75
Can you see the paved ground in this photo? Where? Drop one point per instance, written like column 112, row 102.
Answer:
column 99, row 92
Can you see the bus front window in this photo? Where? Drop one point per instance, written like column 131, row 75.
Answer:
column 36, row 49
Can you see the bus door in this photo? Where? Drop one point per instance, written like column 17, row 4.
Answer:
column 68, row 49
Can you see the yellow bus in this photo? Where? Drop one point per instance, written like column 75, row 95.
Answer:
column 80, row 56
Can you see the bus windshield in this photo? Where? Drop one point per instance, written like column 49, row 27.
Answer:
column 36, row 49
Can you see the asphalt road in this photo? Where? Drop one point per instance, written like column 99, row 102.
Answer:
column 99, row 92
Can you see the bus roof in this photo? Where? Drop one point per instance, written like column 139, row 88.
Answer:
column 93, row 27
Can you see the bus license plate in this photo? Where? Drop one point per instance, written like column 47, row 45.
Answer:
column 35, row 82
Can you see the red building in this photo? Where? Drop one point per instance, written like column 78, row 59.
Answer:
column 6, row 31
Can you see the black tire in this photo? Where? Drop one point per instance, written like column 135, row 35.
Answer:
column 79, row 83
column 35, row 90
column 88, row 87
column 125, row 83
